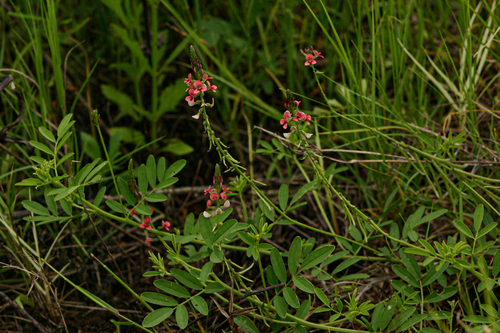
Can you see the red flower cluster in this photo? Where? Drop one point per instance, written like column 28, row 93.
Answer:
column 293, row 105
column 217, row 196
column 195, row 87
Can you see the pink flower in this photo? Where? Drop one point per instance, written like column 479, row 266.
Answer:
column 147, row 220
column 165, row 224
column 310, row 55
column 133, row 212
column 145, row 226
column 207, row 190
column 148, row 240
column 310, row 60
column 209, row 203
column 212, row 87
column 287, row 115
column 214, row 196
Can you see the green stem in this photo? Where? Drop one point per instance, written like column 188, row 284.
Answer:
column 109, row 163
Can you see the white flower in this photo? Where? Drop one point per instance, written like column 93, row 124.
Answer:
column 287, row 135
column 207, row 214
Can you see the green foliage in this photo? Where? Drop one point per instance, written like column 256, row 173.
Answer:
column 401, row 205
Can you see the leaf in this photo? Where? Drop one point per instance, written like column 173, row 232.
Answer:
column 294, row 254
column 246, row 323
column 405, row 275
column 299, row 329
column 419, row 252
column 170, row 97
column 156, row 197
column 463, row 228
column 90, row 145
column 158, row 299
column 317, row 256
column 303, row 284
column 124, row 102
column 283, row 197
column 143, row 210
column 281, row 306
column 427, row 246
column 349, row 262
column 496, row 264
column 200, row 304
column 42, row 147
column 64, row 158
column 411, row 264
column 80, row 176
column 151, row 170
column 166, row 183
column 205, row 271
column 401, row 318
column 478, row 217
column 387, row 314
column 377, row 315
column 51, row 203
column 174, row 169
column 432, row 216
column 322, row 297
column 188, row 225
column 206, row 230
column 91, row 175
column 224, row 230
column 213, row 287
column 35, row 207
column 160, row 169
column 65, row 193
column 62, row 141
column 142, row 179
column 66, row 207
column 115, row 206
column 29, row 182
column 486, row 230
column 177, row 147
column 126, row 192
column 433, row 274
column 278, row 265
column 181, row 316
column 434, row 297
column 303, row 190
column 65, row 125
column 271, row 277
column 47, row 134
column 172, row 288
column 303, row 310
column 291, row 298
column 156, row 317
column 186, row 279
column 412, row 322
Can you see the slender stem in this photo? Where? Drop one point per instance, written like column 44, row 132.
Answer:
column 109, row 163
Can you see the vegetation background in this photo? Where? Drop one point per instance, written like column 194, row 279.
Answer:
column 406, row 130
